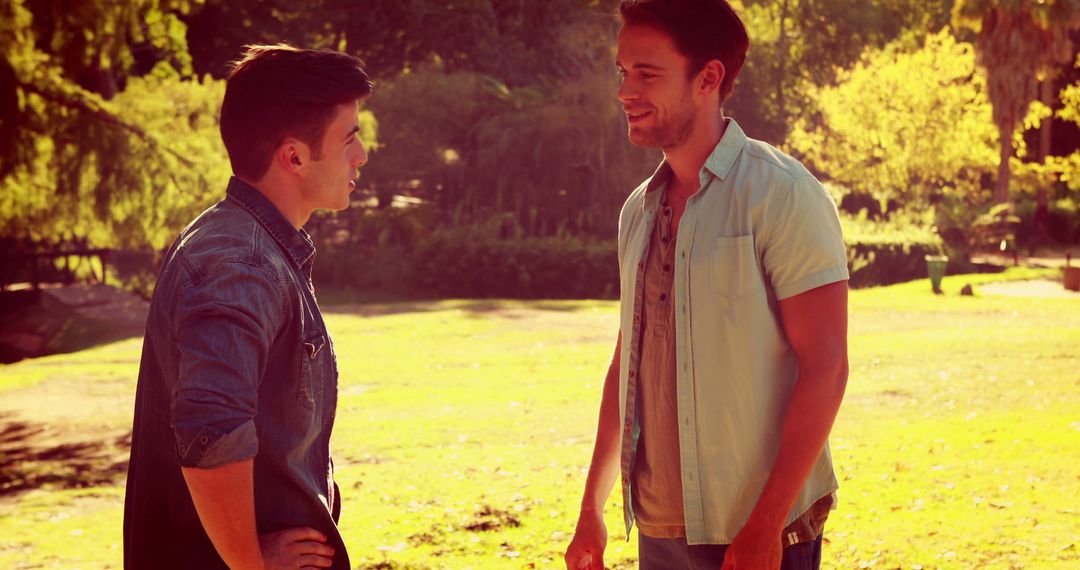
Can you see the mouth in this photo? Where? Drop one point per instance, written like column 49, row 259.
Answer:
column 633, row 117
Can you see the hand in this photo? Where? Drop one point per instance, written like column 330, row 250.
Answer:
column 754, row 548
column 586, row 550
column 295, row 548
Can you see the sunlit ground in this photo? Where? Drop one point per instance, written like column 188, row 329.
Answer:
column 465, row 427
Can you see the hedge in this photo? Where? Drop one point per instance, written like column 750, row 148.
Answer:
column 471, row 263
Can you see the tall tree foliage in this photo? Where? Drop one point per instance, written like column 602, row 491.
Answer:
column 546, row 145
column 1018, row 41
column 907, row 126
column 798, row 43
column 80, row 157
column 107, row 133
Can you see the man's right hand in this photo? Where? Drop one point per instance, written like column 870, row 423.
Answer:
column 295, row 548
column 586, row 550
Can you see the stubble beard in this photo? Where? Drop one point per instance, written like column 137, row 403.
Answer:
column 673, row 132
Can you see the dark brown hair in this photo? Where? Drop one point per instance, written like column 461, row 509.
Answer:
column 278, row 91
column 702, row 30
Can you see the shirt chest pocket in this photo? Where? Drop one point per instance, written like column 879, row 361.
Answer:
column 735, row 270
column 314, row 370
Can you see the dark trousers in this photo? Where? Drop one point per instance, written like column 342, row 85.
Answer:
column 675, row 554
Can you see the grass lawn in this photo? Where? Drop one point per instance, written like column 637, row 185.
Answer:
column 465, row 429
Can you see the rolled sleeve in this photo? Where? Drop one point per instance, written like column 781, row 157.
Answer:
column 805, row 246
column 224, row 330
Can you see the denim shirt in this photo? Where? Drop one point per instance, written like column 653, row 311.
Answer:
column 236, row 365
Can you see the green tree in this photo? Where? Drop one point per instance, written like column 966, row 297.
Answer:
column 796, row 43
column 553, row 153
column 75, row 154
column 1018, row 41
column 909, row 126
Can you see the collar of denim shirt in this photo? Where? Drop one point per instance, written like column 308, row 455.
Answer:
column 297, row 242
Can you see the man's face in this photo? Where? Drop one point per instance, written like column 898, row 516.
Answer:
column 331, row 177
column 655, row 92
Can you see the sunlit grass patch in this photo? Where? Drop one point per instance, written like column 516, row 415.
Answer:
column 464, row 431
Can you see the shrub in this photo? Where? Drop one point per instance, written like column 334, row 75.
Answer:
column 469, row 262
column 886, row 252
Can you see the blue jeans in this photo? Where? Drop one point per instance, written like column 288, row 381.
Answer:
column 674, row 553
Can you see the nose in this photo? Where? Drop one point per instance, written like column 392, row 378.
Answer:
column 361, row 157
column 627, row 91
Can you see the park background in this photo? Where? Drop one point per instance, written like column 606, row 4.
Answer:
column 469, row 287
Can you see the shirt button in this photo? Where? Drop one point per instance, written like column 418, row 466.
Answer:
column 663, row 296
column 636, row 320
column 631, row 373
column 203, row 440
column 628, row 426
column 667, row 267
column 641, row 265
column 665, row 240
column 684, row 255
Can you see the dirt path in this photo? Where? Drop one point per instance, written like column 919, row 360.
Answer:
column 1044, row 288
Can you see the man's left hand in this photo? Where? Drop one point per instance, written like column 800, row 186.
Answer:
column 754, row 549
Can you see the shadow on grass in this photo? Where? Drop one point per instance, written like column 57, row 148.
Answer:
column 33, row 458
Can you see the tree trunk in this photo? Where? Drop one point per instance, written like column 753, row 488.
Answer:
column 1045, row 135
column 1042, row 193
column 780, row 67
column 1001, row 191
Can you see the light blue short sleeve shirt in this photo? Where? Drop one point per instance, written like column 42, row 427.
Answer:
column 761, row 229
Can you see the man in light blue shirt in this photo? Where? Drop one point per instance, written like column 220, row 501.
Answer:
column 753, row 281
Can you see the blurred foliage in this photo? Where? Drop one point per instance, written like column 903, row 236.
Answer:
column 96, row 151
column 913, row 130
column 889, row 251
column 908, row 126
column 1018, row 42
column 502, row 113
column 799, row 43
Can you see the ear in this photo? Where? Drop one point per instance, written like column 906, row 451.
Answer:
column 293, row 156
column 711, row 77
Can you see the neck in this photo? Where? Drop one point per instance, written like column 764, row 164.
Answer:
column 687, row 159
column 284, row 197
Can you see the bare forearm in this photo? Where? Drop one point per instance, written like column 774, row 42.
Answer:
column 815, row 323
column 810, row 413
column 604, row 468
column 224, row 498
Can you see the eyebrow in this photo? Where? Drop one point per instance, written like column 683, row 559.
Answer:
column 647, row 66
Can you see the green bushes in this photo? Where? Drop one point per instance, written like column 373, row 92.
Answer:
column 494, row 261
column 466, row 263
column 886, row 252
column 469, row 262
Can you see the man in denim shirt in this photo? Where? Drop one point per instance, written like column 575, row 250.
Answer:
column 230, row 457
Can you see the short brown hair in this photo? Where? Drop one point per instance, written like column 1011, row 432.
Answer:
column 702, row 30
column 278, row 91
